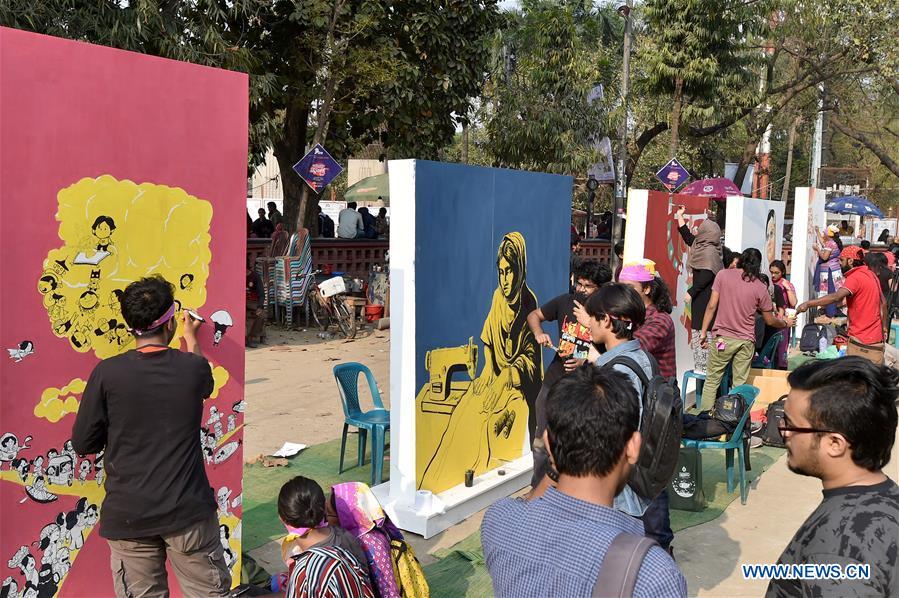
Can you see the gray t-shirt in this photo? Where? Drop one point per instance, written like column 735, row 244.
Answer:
column 852, row 525
column 349, row 224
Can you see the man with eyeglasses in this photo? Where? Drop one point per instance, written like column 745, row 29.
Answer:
column 574, row 343
column 839, row 426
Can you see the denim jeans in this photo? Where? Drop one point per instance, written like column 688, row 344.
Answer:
column 657, row 522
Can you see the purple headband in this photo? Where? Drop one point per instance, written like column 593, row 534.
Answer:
column 157, row 322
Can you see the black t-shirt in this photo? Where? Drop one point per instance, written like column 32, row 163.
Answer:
column 852, row 525
column 574, row 339
column 145, row 410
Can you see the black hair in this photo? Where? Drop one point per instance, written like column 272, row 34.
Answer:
column 146, row 300
column 727, row 256
column 351, row 205
column 382, row 212
column 751, row 264
column 100, row 220
column 363, row 210
column 190, row 278
column 272, row 204
column 301, row 502
column 261, row 212
column 622, row 304
column 591, row 415
column 227, row 531
column 659, row 294
column 856, row 398
column 594, row 271
column 619, row 248
column 575, row 239
column 25, row 344
column 838, row 241
column 780, row 265
column 876, row 261
column 865, row 244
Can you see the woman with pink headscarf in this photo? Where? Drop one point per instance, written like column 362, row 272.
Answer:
column 354, row 507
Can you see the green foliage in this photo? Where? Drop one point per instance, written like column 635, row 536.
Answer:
column 545, row 62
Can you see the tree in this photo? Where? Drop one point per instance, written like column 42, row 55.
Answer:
column 401, row 72
column 547, row 59
column 694, row 53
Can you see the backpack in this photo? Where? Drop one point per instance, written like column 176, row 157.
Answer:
column 728, row 409
column 774, row 416
column 810, row 340
column 661, row 427
column 617, row 576
column 407, row 570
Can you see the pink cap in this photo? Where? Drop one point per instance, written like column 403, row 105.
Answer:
column 639, row 271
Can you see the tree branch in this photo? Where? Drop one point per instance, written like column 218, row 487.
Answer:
column 867, row 142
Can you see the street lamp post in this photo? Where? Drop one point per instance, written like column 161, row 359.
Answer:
column 624, row 9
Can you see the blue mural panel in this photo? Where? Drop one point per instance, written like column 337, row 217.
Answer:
column 491, row 245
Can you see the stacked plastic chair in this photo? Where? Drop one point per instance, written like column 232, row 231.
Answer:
column 285, row 278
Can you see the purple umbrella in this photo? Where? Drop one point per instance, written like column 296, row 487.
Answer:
column 719, row 189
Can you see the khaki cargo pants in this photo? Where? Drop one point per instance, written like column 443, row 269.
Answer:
column 196, row 555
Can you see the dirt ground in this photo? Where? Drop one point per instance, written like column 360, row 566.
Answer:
column 290, row 389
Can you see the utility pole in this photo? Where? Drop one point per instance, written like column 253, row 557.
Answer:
column 624, row 9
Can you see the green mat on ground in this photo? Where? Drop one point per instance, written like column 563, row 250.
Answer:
column 319, row 462
column 461, row 570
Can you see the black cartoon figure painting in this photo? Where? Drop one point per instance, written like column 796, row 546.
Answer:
column 24, row 349
column 22, row 467
column 187, row 282
column 10, row 447
column 55, row 554
column 222, row 321
column 84, row 470
column 101, row 230
column 225, row 537
column 25, row 562
column 47, row 283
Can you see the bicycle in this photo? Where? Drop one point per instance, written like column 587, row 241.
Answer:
column 326, row 309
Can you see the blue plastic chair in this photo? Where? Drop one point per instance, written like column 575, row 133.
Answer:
column 768, row 352
column 734, row 444
column 700, row 383
column 377, row 420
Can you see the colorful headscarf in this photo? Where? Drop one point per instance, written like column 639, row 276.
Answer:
column 359, row 511
column 642, row 270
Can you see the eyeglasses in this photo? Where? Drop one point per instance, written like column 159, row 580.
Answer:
column 794, row 430
column 585, row 288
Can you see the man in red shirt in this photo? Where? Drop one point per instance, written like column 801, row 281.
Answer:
column 864, row 302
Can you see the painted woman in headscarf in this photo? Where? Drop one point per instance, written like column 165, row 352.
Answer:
column 705, row 262
column 488, row 425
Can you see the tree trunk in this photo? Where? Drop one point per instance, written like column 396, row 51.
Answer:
column 464, row 144
column 288, row 150
column 784, row 195
column 745, row 159
column 675, row 114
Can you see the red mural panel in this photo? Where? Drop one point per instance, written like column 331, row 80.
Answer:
column 113, row 166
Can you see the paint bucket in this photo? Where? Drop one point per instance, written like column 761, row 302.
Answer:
column 374, row 312
column 423, row 501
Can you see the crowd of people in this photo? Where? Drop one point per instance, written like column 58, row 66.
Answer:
column 587, row 523
column 353, row 222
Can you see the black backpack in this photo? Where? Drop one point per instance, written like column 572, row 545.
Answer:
column 809, row 341
column 661, row 427
column 774, row 416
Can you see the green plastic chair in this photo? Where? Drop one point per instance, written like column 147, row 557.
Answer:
column 735, row 443
column 376, row 420
column 768, row 351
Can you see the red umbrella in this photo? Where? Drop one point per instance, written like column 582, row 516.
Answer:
column 719, row 189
